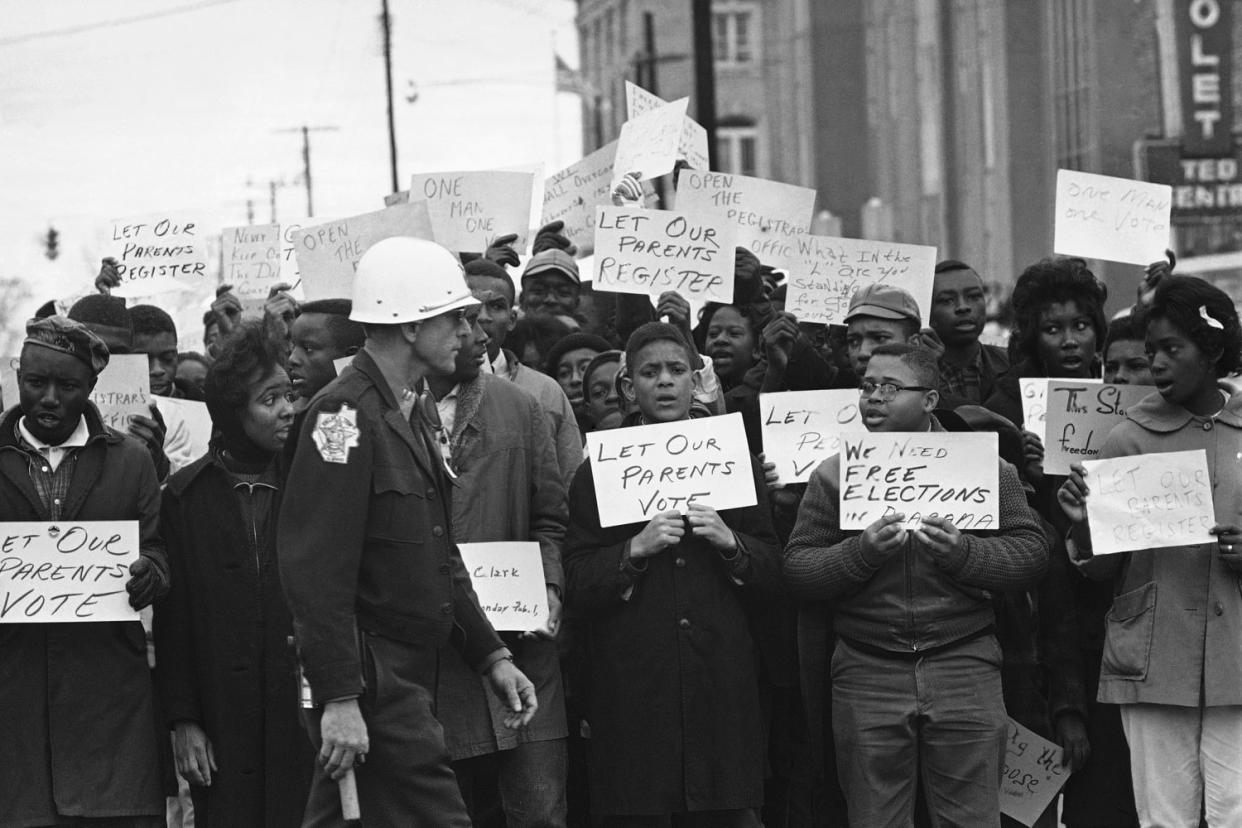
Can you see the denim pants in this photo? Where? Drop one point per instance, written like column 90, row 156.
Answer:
column 940, row 717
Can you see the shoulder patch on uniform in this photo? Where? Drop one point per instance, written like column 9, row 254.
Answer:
column 336, row 432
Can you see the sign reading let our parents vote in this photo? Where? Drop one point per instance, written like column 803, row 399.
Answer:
column 801, row 429
column 648, row 252
column 65, row 572
column 645, row 470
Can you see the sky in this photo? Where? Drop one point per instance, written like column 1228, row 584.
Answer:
column 128, row 107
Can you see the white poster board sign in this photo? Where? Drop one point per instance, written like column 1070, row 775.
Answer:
column 642, row 471
column 289, row 273
column 1079, row 416
column 827, row 271
column 769, row 215
column 691, row 146
column 328, row 253
column 1033, row 774
column 648, row 252
column 192, row 417
column 1149, row 501
column 649, row 142
column 469, row 209
column 1102, row 217
column 252, row 262
column 801, row 429
column 572, row 195
column 66, row 571
column 123, row 390
column 156, row 251
column 942, row 474
column 1035, row 404
column 508, row 578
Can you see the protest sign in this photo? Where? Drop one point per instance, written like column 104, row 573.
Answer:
column 691, row 144
column 1079, row 415
column 252, row 258
column 327, row 254
column 160, row 250
column 826, row 272
column 508, row 578
column 769, row 215
column 648, row 143
column 1035, row 403
column 469, row 209
column 1033, row 774
column 123, row 390
column 188, row 420
column 642, row 471
column 572, row 195
column 1101, row 217
column 1149, row 501
column 289, row 273
column 801, row 429
column 651, row 251
column 66, row 571
column 942, row 474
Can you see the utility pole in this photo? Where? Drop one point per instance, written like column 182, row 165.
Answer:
column 306, row 164
column 705, row 75
column 392, row 129
column 650, row 82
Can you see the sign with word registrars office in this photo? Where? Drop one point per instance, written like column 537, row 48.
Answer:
column 644, row 470
column 1079, row 416
column 648, row 252
column 1117, row 219
column 66, row 571
column 328, row 253
column 1033, row 774
column 508, row 578
column 951, row 475
column 801, row 429
column 1149, row 501
column 769, row 215
column 825, row 272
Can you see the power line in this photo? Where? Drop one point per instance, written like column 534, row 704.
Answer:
column 105, row 24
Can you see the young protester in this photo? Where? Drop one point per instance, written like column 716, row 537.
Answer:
column 1125, row 354
column 968, row 368
column 108, row 318
column 674, row 698
column 1172, row 655
column 878, row 315
column 224, row 666
column 155, row 334
column 191, row 374
column 915, row 674
column 566, row 362
column 321, row 334
column 605, row 408
column 531, row 339
column 79, row 745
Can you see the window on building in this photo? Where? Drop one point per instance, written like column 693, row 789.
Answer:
column 735, row 29
column 737, row 149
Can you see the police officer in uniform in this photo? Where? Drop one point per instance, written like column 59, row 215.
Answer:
column 374, row 581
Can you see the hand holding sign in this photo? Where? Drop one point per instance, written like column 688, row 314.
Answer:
column 663, row 531
column 74, row 572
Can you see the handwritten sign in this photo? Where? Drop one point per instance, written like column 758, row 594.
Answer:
column 827, row 271
column 188, row 422
column 251, row 258
column 1033, row 774
column 1149, row 501
column 327, row 254
column 289, row 273
column 123, row 390
column 648, row 143
column 642, row 471
column 1101, row 217
column 162, row 248
column 950, row 475
column 508, row 578
column 651, row 251
column 691, row 144
column 572, row 195
column 769, row 215
column 469, row 209
column 1035, row 404
column 801, row 429
column 66, row 572
column 1079, row 417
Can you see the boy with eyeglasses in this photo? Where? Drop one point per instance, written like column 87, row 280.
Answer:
column 915, row 673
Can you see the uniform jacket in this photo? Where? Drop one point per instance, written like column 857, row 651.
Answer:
column 79, row 733
column 508, row 488
column 223, row 656
column 674, row 696
column 1174, row 633
column 365, row 537
column 567, row 437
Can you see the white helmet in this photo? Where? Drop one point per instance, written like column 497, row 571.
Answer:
column 403, row 279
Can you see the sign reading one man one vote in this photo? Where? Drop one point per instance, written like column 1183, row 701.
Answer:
column 161, row 249
column 1079, row 417
column 801, row 429
column 827, row 271
column 642, row 471
column 1032, row 776
column 951, row 475
column 572, row 195
column 66, row 571
column 469, row 209
column 252, row 259
column 1149, row 501
column 1101, row 217
column 508, row 578
column 328, row 253
column 648, row 143
column 769, row 215
column 651, row 251
column 691, row 146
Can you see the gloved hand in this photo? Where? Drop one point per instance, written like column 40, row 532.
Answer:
column 500, row 250
column 550, row 237
column 108, row 277
column 147, row 583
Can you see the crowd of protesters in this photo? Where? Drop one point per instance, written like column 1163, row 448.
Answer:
column 310, row 618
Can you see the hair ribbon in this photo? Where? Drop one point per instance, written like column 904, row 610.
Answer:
column 1207, row 317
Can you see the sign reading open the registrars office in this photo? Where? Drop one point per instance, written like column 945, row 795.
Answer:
column 769, row 215
column 651, row 251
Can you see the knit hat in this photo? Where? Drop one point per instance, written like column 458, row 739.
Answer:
column 572, row 343
column 68, row 337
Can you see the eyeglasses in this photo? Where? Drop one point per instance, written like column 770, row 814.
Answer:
column 888, row 391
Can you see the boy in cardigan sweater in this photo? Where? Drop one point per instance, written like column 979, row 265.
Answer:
column 915, row 674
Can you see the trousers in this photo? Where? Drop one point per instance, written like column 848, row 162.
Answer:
column 530, row 781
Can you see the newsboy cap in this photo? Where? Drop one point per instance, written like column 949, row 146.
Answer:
column 68, row 337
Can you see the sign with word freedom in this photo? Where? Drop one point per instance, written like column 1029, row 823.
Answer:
column 252, row 259
column 160, row 250
column 1149, row 501
column 801, row 429
column 769, row 215
column 1079, row 417
column 469, row 209
column 826, row 272
column 648, row 252
column 642, row 471
column 508, row 578
column 1101, row 217
column 1033, row 774
column 951, row 475
column 572, row 195
column 328, row 253
column 1035, row 403
column 66, row 571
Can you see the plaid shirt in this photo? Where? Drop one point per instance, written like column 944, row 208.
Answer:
column 51, row 483
column 976, row 381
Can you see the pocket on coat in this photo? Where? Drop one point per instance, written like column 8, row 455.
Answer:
column 393, row 510
column 1128, row 631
